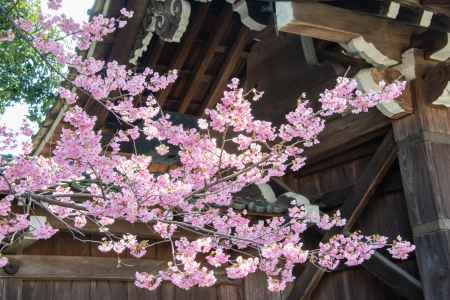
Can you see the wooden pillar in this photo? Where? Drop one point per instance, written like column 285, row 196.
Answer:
column 424, row 155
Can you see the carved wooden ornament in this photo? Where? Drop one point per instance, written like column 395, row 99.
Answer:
column 168, row 19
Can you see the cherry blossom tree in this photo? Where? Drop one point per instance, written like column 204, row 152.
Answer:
column 192, row 199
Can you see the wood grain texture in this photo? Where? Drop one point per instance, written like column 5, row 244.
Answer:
column 215, row 39
column 81, row 290
column 424, row 159
column 78, row 267
column 352, row 208
column 339, row 25
column 227, row 292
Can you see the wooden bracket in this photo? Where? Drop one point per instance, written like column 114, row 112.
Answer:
column 369, row 52
column 368, row 80
column 437, row 84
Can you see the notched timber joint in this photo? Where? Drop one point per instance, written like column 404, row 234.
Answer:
column 368, row 80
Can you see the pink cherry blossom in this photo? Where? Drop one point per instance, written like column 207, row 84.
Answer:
column 400, row 249
column 3, row 261
column 80, row 221
column 162, row 149
column 196, row 195
column 44, row 232
column 147, row 281
column 54, row 4
column 242, row 267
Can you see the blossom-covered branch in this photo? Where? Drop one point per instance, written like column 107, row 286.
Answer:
column 195, row 196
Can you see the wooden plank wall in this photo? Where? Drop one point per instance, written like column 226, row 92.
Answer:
column 386, row 214
column 254, row 287
column 17, row 289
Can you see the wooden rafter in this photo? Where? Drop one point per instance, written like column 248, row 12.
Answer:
column 155, row 52
column 382, row 40
column 227, row 68
column 185, row 48
column 395, row 277
column 77, row 268
column 224, row 21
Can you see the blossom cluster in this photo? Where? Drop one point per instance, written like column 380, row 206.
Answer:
column 193, row 197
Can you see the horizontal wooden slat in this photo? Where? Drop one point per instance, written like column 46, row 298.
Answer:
column 79, row 267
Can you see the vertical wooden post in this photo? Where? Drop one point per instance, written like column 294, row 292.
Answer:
column 424, row 155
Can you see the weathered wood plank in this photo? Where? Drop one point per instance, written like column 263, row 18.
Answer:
column 276, row 65
column 78, row 268
column 119, row 290
column 11, row 289
column 185, row 47
column 102, row 290
column 81, row 290
column 168, row 291
column 62, row 290
column 375, row 172
column 37, row 289
column 395, row 277
column 255, row 288
column 228, row 292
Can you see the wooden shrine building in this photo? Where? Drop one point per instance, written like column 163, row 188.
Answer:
column 387, row 170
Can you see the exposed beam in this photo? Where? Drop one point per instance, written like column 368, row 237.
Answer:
column 363, row 190
column 119, row 227
column 78, row 267
column 184, row 49
column 380, row 41
column 399, row 280
column 225, row 20
column 155, row 52
column 228, row 67
column 370, row 179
